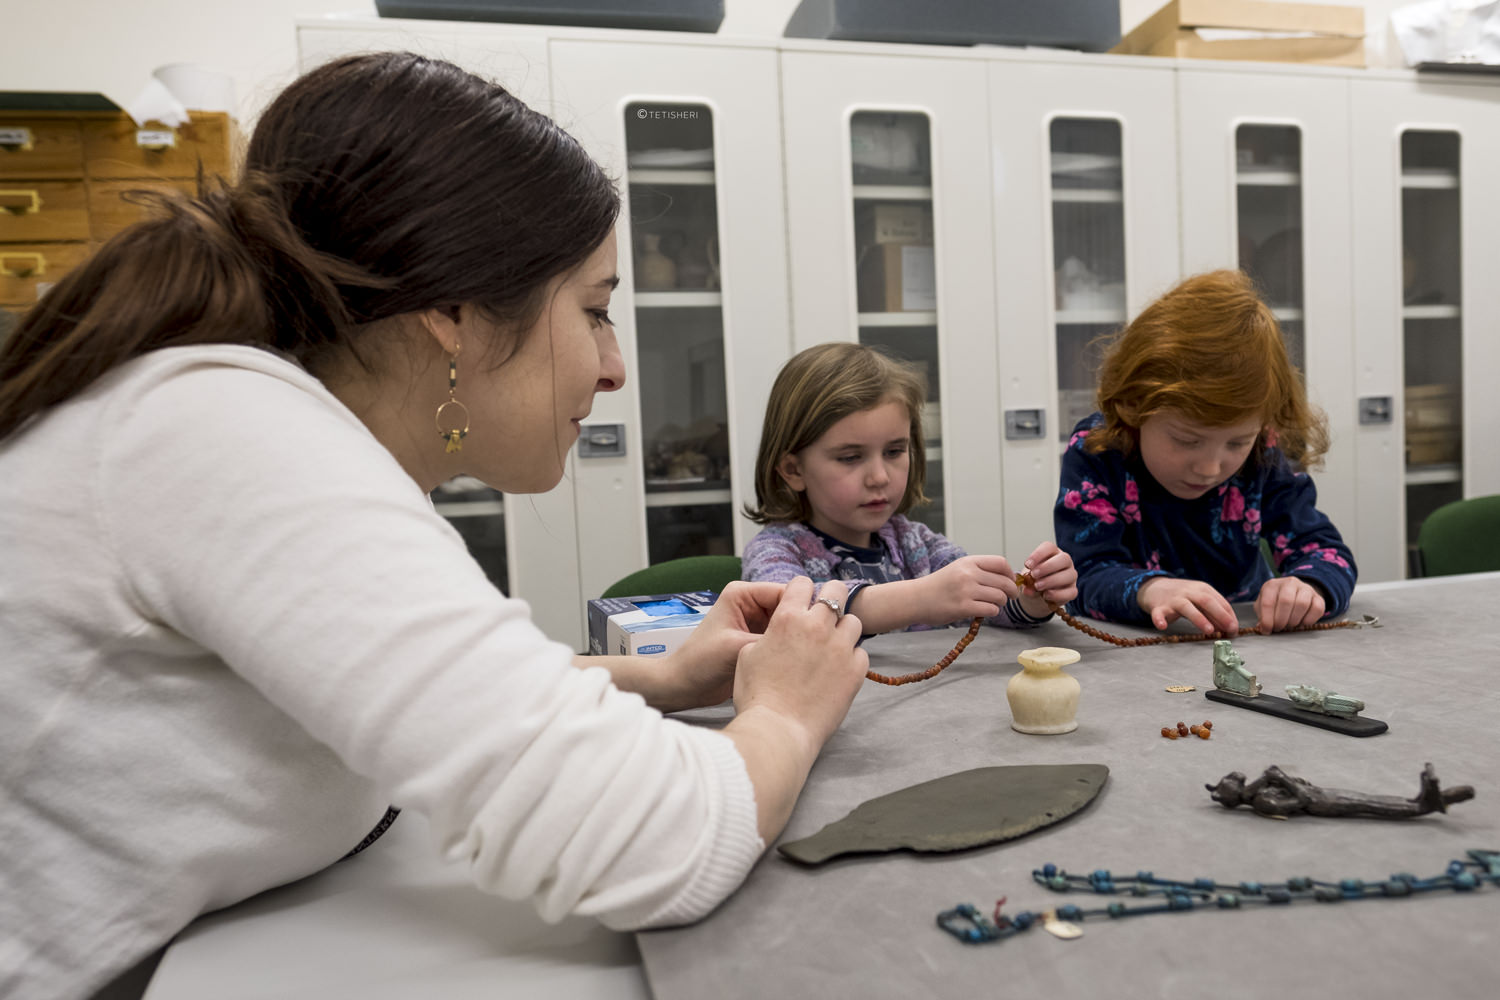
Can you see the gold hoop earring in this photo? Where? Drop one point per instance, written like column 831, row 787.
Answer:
column 454, row 434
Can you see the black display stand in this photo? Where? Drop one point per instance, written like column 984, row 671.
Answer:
column 1285, row 709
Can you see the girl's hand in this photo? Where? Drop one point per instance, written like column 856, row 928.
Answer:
column 971, row 587
column 806, row 669
column 1166, row 598
column 1285, row 602
column 703, row 666
column 1054, row 580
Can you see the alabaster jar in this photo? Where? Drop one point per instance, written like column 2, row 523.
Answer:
column 1043, row 698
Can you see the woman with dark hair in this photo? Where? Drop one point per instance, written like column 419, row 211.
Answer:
column 234, row 628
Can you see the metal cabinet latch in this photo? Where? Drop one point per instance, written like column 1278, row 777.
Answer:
column 601, row 441
column 1374, row 409
column 1024, row 425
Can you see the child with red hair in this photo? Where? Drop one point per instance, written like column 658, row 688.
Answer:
column 1198, row 453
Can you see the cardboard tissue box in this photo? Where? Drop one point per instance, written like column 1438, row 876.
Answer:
column 646, row 626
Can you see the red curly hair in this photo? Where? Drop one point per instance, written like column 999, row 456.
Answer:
column 1211, row 351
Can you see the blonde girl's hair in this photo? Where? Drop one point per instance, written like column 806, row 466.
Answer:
column 815, row 390
column 1210, row 350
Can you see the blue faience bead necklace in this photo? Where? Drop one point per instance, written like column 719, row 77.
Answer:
column 972, row 926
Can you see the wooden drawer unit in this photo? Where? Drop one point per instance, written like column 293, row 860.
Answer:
column 38, row 148
column 115, row 147
column 27, row 269
column 63, row 177
column 33, row 210
column 109, row 211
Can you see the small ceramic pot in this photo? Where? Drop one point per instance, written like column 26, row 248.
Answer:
column 1043, row 699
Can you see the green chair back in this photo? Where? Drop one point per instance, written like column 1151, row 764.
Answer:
column 1461, row 537
column 679, row 576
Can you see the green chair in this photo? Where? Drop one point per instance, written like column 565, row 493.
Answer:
column 679, row 576
column 1461, row 537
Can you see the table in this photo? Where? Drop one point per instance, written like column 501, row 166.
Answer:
column 396, row 923
column 865, row 926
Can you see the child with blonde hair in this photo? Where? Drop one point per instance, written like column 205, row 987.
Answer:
column 1198, row 454
column 841, row 461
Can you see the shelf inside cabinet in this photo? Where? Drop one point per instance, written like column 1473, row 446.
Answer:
column 1437, row 310
column 471, row 508
column 1105, row 196
column 696, row 178
column 1429, row 475
column 1267, row 177
column 1090, row 317
column 679, row 300
column 658, row 497
column 1286, row 314
column 892, row 192
column 1434, row 178
column 915, row 317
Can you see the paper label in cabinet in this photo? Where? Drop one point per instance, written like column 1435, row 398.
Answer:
column 918, row 279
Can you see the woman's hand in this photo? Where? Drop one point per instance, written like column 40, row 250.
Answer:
column 703, row 667
column 1285, row 602
column 971, row 587
column 1166, row 598
column 1054, row 580
column 792, row 688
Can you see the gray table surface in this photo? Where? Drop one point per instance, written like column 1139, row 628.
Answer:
column 397, row 922
column 865, row 926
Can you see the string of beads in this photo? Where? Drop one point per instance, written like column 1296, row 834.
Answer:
column 937, row 667
column 1024, row 580
column 972, row 926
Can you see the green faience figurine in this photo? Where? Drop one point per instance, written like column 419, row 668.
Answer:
column 1230, row 673
column 1316, row 700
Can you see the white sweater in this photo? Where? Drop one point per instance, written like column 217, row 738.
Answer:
column 232, row 630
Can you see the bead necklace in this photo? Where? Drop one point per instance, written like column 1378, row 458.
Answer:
column 972, row 926
column 1024, row 580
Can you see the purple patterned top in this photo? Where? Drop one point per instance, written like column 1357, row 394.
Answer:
column 784, row 550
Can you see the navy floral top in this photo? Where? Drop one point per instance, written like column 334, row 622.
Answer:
column 1122, row 528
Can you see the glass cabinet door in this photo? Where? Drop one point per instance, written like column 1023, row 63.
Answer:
column 895, row 271
column 1268, row 195
column 1432, row 326
column 1088, row 255
column 679, row 330
column 478, row 512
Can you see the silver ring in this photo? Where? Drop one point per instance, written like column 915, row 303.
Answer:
column 838, row 609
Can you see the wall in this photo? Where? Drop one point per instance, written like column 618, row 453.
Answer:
column 112, row 45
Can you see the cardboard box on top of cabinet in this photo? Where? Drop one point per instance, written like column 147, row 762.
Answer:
column 651, row 625
column 1323, row 34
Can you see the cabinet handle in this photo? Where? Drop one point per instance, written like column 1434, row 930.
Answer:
column 21, row 202
column 15, row 138
column 23, row 265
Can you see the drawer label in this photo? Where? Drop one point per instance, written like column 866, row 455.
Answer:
column 156, row 138
column 15, row 139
